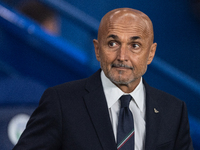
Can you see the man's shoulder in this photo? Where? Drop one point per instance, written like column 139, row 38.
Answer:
column 161, row 95
column 78, row 85
column 71, row 84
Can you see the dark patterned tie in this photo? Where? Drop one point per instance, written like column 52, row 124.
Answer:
column 125, row 129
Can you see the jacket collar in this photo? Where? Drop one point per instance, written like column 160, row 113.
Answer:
column 98, row 110
column 153, row 118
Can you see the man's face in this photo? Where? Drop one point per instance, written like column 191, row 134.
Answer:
column 125, row 50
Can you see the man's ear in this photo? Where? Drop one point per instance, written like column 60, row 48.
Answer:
column 152, row 53
column 96, row 48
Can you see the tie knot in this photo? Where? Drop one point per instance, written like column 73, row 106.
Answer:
column 125, row 100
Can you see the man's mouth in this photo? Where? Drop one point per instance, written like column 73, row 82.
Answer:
column 122, row 66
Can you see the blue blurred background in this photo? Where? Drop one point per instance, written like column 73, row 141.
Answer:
column 35, row 55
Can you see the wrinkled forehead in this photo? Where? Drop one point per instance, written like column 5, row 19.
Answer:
column 126, row 18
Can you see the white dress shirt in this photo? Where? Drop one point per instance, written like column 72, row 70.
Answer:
column 137, row 107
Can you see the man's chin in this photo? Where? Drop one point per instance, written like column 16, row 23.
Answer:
column 119, row 80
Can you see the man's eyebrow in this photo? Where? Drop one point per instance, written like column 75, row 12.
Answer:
column 135, row 38
column 113, row 36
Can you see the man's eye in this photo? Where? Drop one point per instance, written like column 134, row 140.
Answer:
column 112, row 44
column 135, row 46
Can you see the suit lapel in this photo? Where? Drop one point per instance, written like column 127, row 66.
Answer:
column 152, row 118
column 98, row 110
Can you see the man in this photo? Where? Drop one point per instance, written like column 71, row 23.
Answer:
column 88, row 114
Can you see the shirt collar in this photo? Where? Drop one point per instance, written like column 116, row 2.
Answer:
column 113, row 93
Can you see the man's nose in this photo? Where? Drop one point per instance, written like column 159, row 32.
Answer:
column 122, row 53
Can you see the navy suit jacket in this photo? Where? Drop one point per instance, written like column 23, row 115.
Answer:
column 74, row 116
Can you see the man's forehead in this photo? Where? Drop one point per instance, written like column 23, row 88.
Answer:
column 125, row 26
column 125, row 18
column 115, row 36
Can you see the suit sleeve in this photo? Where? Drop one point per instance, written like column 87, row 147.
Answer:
column 183, row 140
column 44, row 129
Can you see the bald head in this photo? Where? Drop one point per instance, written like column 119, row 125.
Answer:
column 126, row 16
